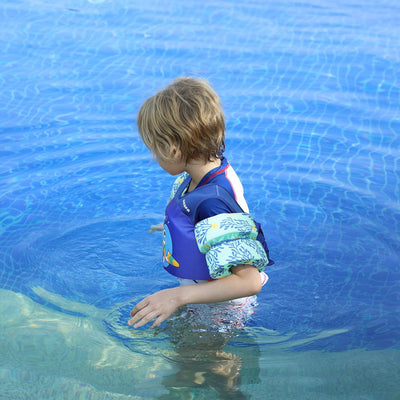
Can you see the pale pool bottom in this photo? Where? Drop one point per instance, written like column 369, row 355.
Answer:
column 47, row 354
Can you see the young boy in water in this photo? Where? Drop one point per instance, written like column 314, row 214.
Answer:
column 211, row 244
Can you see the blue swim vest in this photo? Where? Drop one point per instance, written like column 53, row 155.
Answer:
column 207, row 249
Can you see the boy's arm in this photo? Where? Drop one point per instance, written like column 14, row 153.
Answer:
column 244, row 281
column 158, row 227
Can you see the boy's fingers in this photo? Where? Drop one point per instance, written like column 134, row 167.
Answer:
column 138, row 314
column 139, row 306
column 142, row 314
column 140, row 320
column 157, row 322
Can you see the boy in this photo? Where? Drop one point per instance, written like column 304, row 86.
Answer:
column 211, row 244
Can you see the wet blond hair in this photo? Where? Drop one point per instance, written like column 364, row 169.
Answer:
column 186, row 114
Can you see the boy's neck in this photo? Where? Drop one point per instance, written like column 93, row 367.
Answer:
column 197, row 169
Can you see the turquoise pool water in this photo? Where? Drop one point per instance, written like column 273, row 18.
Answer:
column 311, row 92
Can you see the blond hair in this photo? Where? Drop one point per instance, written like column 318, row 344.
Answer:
column 186, row 114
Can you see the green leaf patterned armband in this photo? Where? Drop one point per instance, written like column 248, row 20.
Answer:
column 228, row 240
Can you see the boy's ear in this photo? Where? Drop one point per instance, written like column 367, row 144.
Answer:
column 176, row 153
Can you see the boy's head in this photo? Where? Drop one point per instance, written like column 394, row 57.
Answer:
column 186, row 115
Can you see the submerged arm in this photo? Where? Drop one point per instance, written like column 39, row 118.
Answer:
column 158, row 227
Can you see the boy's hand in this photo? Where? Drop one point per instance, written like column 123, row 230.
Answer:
column 158, row 227
column 158, row 307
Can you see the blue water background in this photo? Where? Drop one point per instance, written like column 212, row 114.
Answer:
column 311, row 93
